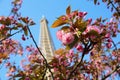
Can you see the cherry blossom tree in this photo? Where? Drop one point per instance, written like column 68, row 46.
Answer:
column 80, row 37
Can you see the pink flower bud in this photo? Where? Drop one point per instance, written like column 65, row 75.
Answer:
column 85, row 13
column 89, row 21
column 107, row 35
column 27, row 78
column 7, row 64
column 109, row 40
column 9, row 74
column 79, row 48
column 81, row 14
column 12, row 69
column 23, row 38
column 108, row 45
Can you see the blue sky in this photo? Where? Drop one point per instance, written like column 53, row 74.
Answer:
column 51, row 9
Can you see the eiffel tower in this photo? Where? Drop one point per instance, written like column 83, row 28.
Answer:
column 46, row 44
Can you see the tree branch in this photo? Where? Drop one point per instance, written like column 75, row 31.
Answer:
column 114, row 45
column 111, row 2
column 44, row 73
column 74, row 69
column 10, row 36
column 105, row 77
column 47, row 65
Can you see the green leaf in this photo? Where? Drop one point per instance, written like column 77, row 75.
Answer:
column 59, row 22
column 68, row 10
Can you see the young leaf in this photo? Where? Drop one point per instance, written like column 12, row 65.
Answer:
column 65, row 28
column 25, row 30
column 68, row 10
column 81, row 25
column 59, row 22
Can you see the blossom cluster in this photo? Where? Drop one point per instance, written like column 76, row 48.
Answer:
column 80, row 36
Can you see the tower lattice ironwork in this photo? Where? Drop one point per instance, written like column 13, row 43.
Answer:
column 46, row 43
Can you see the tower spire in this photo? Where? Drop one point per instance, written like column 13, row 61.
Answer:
column 46, row 43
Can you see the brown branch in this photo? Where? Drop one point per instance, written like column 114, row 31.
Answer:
column 105, row 77
column 87, row 48
column 47, row 65
column 111, row 2
column 114, row 45
column 10, row 36
column 74, row 69
column 44, row 73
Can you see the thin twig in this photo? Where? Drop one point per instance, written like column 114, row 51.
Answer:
column 83, row 54
column 3, row 64
column 114, row 45
column 10, row 35
column 44, row 73
column 47, row 65
column 115, row 8
column 76, row 67
column 105, row 77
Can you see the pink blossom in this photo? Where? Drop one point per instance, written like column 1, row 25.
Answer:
column 89, row 21
column 70, row 55
column 23, row 38
column 9, row 74
column 79, row 47
column 12, row 69
column 108, row 45
column 107, row 35
column 29, row 48
column 7, row 64
column 70, row 16
column 82, row 14
column 94, row 28
column 67, row 38
column 60, row 34
column 20, row 51
column 27, row 78
column 1, row 17
column 109, row 40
